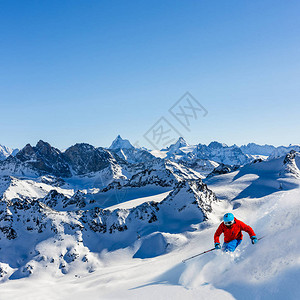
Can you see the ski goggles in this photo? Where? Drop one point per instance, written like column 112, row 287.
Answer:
column 229, row 223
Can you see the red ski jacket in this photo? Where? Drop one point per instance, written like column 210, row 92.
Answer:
column 233, row 232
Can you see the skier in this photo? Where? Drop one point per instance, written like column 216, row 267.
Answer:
column 232, row 229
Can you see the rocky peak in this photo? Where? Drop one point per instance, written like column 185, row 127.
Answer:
column 40, row 160
column 290, row 166
column 181, row 142
column 45, row 148
column 27, row 153
column 217, row 145
column 290, row 157
column 120, row 143
column 85, row 158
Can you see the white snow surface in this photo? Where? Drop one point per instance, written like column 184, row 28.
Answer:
column 133, row 203
column 159, row 153
column 265, row 195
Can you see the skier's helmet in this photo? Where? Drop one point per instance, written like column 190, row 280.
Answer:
column 228, row 219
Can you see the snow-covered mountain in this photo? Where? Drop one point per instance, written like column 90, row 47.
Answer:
column 78, row 160
column 291, row 164
column 202, row 158
column 50, row 230
column 203, row 166
column 60, row 215
column 222, row 169
column 269, row 151
column 133, row 155
column 263, row 177
column 180, row 147
column 159, row 177
column 220, row 153
column 282, row 150
column 122, row 149
column 98, row 213
column 6, row 152
column 255, row 149
column 120, row 143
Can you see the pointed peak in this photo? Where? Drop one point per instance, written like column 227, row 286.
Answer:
column 182, row 142
column 27, row 146
column 120, row 143
column 27, row 151
column 41, row 144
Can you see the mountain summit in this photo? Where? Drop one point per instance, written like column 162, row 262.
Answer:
column 120, row 143
column 181, row 142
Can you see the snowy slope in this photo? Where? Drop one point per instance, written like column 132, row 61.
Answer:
column 13, row 187
column 135, row 252
column 268, row 270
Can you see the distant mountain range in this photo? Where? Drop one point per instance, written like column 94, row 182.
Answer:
column 6, row 152
column 122, row 159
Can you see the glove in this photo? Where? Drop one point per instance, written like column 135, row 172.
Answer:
column 217, row 246
column 253, row 239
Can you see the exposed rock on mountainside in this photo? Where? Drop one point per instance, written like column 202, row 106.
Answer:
column 282, row 150
column 217, row 152
column 44, row 219
column 290, row 166
column 163, row 173
column 38, row 160
column 189, row 202
column 43, row 159
column 223, row 169
column 84, row 158
column 221, row 153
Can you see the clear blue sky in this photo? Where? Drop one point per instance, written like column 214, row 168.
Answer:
column 85, row 71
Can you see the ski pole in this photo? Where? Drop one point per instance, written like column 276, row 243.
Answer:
column 212, row 250
column 198, row 254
